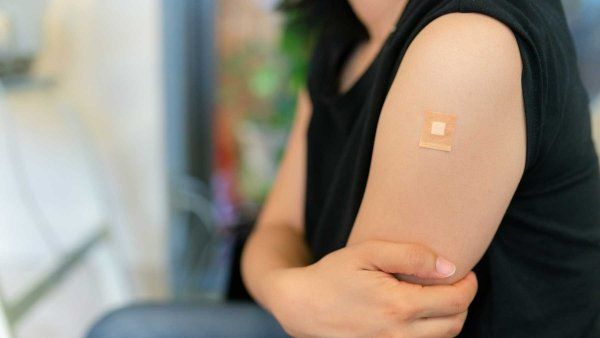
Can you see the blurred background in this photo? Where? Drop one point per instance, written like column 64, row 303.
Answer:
column 138, row 139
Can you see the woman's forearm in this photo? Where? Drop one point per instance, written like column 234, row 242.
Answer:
column 271, row 248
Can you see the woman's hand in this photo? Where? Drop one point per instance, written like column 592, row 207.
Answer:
column 352, row 293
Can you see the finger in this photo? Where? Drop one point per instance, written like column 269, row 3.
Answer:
column 405, row 258
column 445, row 300
column 439, row 327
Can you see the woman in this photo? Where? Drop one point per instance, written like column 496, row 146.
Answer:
column 435, row 137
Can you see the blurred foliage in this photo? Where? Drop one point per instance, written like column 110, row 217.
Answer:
column 296, row 43
column 272, row 77
column 259, row 85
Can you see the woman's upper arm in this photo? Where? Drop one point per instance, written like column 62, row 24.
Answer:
column 467, row 65
column 285, row 204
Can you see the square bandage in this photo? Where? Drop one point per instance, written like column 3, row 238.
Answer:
column 438, row 131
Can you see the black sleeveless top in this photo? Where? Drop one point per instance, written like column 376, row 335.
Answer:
column 540, row 276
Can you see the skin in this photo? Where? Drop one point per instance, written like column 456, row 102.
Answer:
column 424, row 203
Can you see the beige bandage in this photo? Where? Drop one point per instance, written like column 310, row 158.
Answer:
column 438, row 131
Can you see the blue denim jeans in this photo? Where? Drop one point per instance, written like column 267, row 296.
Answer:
column 187, row 320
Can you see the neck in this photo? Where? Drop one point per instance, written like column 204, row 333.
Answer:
column 378, row 16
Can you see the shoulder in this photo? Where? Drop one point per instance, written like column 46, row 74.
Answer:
column 468, row 29
column 473, row 47
column 463, row 61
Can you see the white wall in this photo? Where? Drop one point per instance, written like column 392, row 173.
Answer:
column 106, row 57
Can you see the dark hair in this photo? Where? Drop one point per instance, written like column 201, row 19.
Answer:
column 317, row 15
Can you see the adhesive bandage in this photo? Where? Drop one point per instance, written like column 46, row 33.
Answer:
column 438, row 131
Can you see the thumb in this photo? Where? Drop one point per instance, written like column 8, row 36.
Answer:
column 404, row 258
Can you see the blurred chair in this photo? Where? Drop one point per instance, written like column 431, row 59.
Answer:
column 186, row 320
column 235, row 316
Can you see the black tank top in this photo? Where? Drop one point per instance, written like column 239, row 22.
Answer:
column 540, row 276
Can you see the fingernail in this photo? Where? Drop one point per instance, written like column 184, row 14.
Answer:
column 444, row 267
